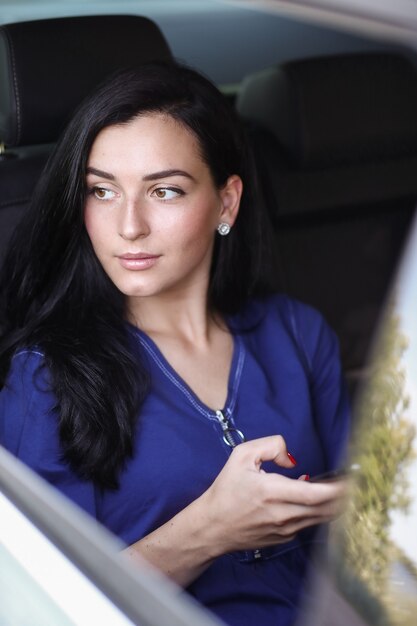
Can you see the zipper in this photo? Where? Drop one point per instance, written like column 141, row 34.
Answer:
column 231, row 436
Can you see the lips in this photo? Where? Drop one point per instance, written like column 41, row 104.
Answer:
column 138, row 261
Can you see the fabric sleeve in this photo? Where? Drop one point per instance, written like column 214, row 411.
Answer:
column 329, row 397
column 29, row 428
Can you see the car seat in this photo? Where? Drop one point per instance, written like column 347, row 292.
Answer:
column 46, row 68
column 335, row 141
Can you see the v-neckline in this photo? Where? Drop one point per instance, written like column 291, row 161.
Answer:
column 238, row 356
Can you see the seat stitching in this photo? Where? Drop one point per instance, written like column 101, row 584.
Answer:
column 20, row 200
column 14, row 74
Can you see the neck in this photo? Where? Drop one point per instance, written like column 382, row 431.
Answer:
column 184, row 317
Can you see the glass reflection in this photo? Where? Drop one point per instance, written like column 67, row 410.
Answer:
column 370, row 572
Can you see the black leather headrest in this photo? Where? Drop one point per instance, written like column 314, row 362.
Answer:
column 337, row 110
column 48, row 66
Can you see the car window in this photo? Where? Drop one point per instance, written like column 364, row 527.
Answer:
column 58, row 567
column 378, row 540
column 27, row 559
column 221, row 38
column 369, row 576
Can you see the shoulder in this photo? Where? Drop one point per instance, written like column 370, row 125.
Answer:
column 278, row 318
column 29, row 426
column 289, row 308
column 27, row 372
column 282, row 310
column 25, row 362
column 28, row 375
column 25, row 398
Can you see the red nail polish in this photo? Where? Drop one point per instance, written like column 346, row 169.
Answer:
column 290, row 456
column 307, row 477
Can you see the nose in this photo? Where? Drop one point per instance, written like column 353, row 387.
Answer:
column 133, row 223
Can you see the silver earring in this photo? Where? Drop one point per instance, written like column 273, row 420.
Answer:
column 223, row 228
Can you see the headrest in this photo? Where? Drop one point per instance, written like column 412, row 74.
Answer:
column 48, row 66
column 337, row 110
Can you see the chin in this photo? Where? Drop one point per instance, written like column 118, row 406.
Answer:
column 138, row 291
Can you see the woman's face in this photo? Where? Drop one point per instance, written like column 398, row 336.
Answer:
column 152, row 208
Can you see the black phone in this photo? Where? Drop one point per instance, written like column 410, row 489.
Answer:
column 334, row 474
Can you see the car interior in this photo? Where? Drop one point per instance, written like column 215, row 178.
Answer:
column 334, row 135
column 43, row 532
column 335, row 143
column 34, row 106
column 334, row 138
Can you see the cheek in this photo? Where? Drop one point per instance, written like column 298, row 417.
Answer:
column 196, row 229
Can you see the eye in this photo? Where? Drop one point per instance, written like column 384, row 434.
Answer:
column 101, row 193
column 167, row 193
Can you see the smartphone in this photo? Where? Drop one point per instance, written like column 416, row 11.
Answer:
column 334, row 474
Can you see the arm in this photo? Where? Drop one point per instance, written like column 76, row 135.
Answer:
column 245, row 508
column 319, row 351
column 29, row 428
column 330, row 400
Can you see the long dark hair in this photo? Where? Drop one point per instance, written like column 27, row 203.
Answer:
column 55, row 294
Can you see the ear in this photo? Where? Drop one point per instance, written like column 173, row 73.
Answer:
column 230, row 195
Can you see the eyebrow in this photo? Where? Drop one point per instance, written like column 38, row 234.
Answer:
column 167, row 174
column 154, row 176
column 100, row 173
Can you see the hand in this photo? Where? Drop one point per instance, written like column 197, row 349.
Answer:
column 247, row 508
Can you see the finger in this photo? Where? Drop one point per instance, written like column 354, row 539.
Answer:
column 303, row 492
column 257, row 451
column 293, row 529
column 317, row 515
column 296, row 517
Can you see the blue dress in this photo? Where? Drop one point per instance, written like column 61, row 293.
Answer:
column 285, row 379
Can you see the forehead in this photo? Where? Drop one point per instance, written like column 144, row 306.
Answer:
column 153, row 133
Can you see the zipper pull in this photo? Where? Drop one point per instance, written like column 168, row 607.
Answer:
column 231, row 436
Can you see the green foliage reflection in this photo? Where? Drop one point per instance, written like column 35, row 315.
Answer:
column 383, row 446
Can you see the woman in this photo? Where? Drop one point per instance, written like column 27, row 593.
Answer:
column 139, row 349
